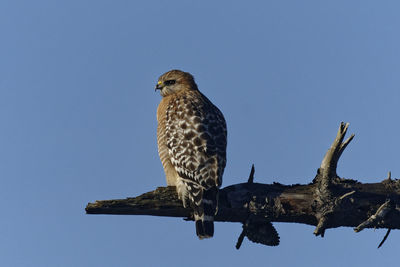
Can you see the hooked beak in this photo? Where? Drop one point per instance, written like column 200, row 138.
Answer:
column 158, row 86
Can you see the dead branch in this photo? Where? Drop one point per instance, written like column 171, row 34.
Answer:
column 328, row 202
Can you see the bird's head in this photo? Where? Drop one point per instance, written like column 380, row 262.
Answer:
column 175, row 81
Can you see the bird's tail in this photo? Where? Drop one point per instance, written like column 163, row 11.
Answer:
column 204, row 212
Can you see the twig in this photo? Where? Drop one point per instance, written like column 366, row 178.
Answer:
column 245, row 224
column 344, row 144
column 389, row 178
column 373, row 220
column 322, row 225
column 251, row 176
column 241, row 237
column 385, row 237
column 346, row 195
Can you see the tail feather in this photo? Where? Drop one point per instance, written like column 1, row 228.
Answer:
column 205, row 211
column 204, row 228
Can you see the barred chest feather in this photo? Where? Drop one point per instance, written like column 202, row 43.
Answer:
column 193, row 131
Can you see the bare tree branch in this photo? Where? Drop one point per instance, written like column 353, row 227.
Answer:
column 328, row 202
column 278, row 203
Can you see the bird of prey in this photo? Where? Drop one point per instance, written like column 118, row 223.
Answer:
column 192, row 139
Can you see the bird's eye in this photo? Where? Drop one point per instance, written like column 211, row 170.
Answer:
column 169, row 82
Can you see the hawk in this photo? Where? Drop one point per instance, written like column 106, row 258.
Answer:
column 191, row 137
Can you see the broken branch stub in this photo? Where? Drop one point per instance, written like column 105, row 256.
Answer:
column 326, row 202
column 327, row 170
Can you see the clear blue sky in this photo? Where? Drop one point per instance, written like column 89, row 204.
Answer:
column 78, row 121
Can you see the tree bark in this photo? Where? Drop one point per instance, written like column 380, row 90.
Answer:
column 328, row 202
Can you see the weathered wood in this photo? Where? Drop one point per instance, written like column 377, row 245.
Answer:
column 328, row 202
column 273, row 202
